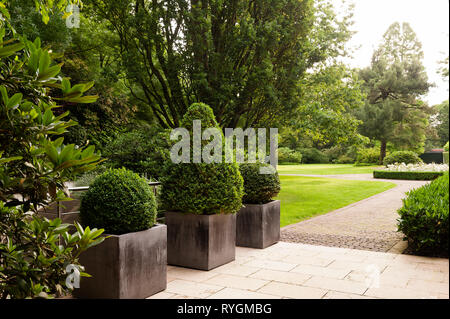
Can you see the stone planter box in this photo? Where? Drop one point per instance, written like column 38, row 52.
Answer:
column 200, row 241
column 132, row 265
column 258, row 226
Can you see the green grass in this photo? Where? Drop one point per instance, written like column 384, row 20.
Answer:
column 304, row 197
column 325, row 169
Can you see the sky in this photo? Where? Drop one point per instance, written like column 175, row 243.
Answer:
column 428, row 18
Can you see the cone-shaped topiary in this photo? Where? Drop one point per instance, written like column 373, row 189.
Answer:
column 120, row 202
column 202, row 188
column 259, row 188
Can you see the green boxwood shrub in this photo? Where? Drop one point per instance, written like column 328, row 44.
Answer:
column 424, row 218
column 201, row 188
column 259, row 188
column 120, row 202
column 406, row 157
column 418, row 176
column 286, row 155
column 313, row 156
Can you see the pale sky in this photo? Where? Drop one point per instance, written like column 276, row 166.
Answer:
column 428, row 18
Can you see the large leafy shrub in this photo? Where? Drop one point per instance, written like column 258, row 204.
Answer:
column 313, row 155
column 286, row 155
column 201, row 188
column 35, row 163
column 424, row 217
column 259, row 188
column 142, row 151
column 368, row 156
column 34, row 253
column 406, row 157
column 118, row 201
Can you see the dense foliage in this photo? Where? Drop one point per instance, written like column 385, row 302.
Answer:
column 424, row 218
column 244, row 58
column 143, row 151
column 286, row 155
column 35, row 252
column 118, row 201
column 259, row 188
column 201, row 188
column 406, row 157
column 368, row 155
column 35, row 163
column 313, row 155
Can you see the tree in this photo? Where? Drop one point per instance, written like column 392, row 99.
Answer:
column 394, row 83
column 244, row 58
column 86, row 52
column 326, row 103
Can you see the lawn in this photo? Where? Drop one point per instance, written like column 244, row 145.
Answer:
column 325, row 169
column 304, row 197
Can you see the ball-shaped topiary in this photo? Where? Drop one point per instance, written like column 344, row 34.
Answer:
column 406, row 157
column 120, row 202
column 259, row 188
column 201, row 188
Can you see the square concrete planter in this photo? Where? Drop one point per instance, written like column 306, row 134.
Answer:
column 200, row 241
column 132, row 265
column 258, row 226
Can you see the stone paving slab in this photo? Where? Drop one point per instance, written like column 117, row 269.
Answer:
column 369, row 224
column 285, row 270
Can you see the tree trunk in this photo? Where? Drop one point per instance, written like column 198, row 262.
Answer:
column 382, row 151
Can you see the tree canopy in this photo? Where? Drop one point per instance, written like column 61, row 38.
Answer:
column 394, row 83
column 244, row 58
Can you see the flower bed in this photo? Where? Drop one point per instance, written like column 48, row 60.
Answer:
column 411, row 171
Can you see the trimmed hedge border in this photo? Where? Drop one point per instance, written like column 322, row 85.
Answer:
column 418, row 176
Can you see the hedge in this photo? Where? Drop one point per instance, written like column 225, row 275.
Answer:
column 419, row 176
column 424, row 218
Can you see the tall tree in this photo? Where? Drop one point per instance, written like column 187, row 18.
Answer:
column 244, row 58
column 394, row 83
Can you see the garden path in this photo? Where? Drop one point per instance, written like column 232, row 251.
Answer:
column 299, row 271
column 370, row 224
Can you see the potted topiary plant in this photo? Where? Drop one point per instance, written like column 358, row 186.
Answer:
column 132, row 260
column 201, row 200
column 258, row 222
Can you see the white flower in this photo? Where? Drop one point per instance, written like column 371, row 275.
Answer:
column 402, row 167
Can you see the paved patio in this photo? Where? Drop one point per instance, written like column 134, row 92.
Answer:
column 301, row 271
column 370, row 224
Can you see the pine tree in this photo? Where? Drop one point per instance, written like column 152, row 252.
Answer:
column 394, row 83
